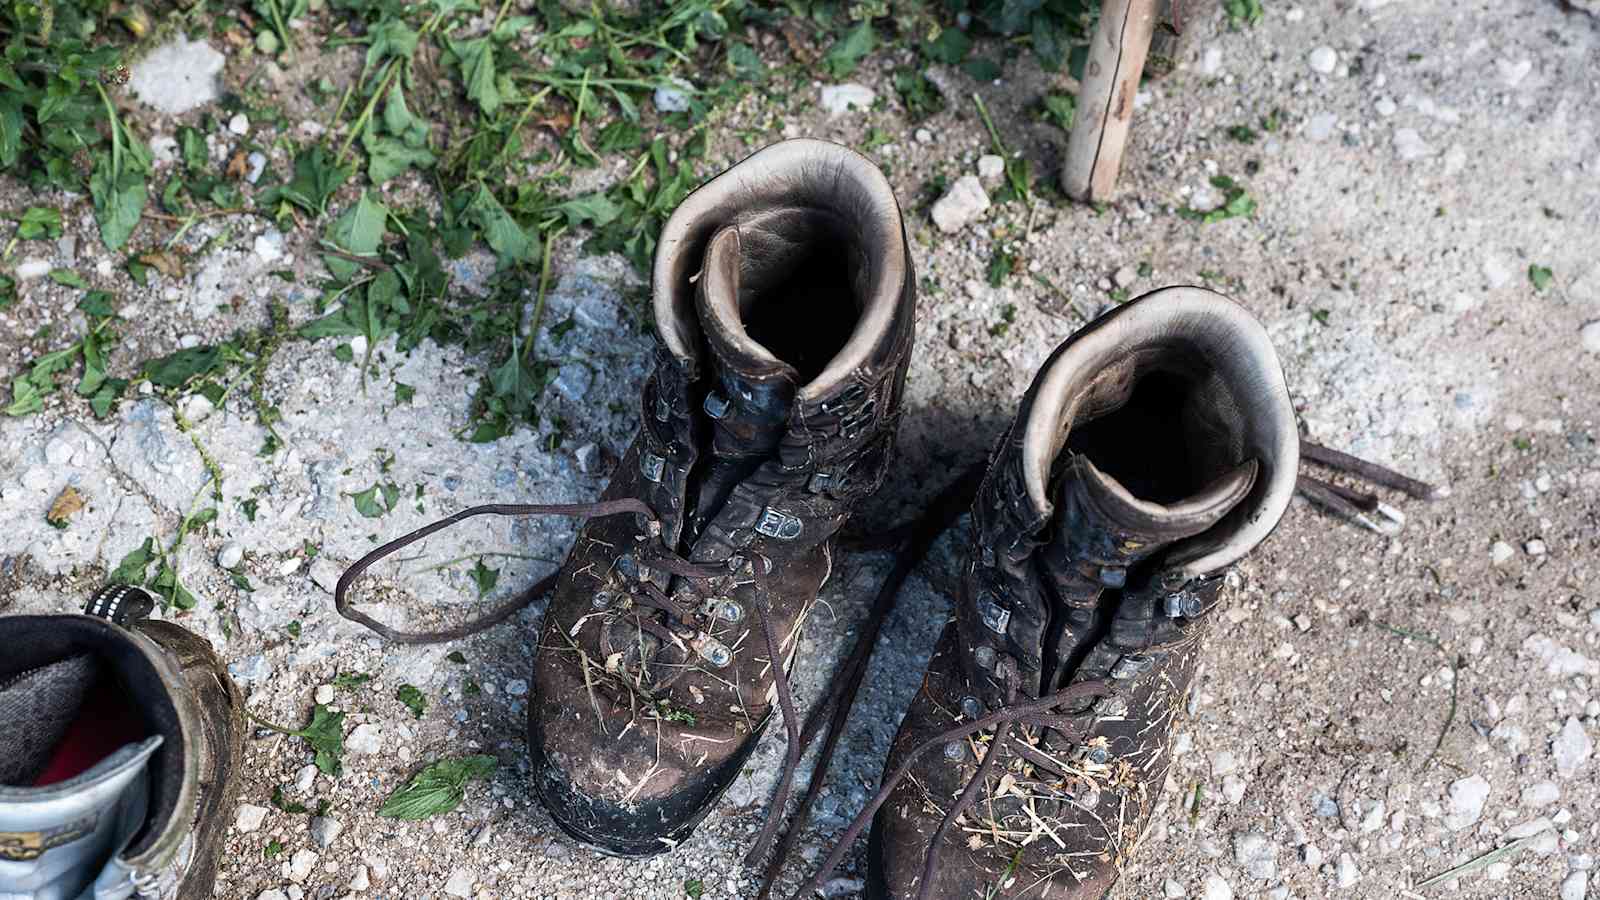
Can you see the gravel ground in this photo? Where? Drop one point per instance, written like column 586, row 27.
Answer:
column 1426, row 154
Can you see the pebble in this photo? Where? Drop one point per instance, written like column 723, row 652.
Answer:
column 1223, row 763
column 1571, row 748
column 991, row 167
column 301, row 864
column 1233, row 789
column 272, row 894
column 251, row 669
column 839, row 99
column 306, row 777
column 269, row 245
column 517, row 687
column 258, row 164
column 1311, row 855
column 1256, row 854
column 1511, row 72
column 1408, row 144
column 1499, row 552
column 588, row 458
column 362, row 880
column 1216, row 888
column 1173, row 890
column 1590, row 334
column 230, row 555
column 1527, row 829
column 249, row 818
column 1125, row 276
column 1373, row 820
column 366, row 739
column 1575, row 886
column 1323, row 60
column 178, row 76
column 1385, row 107
column 325, row 830
column 324, row 694
column 29, row 269
column 1495, row 271
column 1320, row 127
column 1536, row 547
column 239, row 124
column 1347, row 874
column 325, row 574
column 674, row 97
column 1211, row 61
column 1467, row 797
column 460, row 883
column 961, row 205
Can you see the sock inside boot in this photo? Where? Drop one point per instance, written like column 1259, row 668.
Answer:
column 60, row 719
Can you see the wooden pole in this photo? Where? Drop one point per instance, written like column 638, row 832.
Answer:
column 1105, row 98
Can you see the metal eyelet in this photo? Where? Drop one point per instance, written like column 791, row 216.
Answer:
column 725, row 609
column 1113, row 576
column 714, row 652
column 716, row 405
column 778, row 524
column 955, row 750
column 1098, row 755
column 820, row 482
column 995, row 617
column 602, row 599
column 652, row 466
column 1183, row 605
column 1111, row 707
column 1131, row 666
column 971, row 708
column 663, row 408
column 984, row 657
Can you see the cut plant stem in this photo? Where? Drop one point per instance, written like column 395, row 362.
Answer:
column 538, row 303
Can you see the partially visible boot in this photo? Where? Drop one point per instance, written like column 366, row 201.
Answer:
column 784, row 300
column 1156, row 448
column 120, row 740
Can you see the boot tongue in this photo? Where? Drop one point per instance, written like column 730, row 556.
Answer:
column 1160, row 524
column 753, row 389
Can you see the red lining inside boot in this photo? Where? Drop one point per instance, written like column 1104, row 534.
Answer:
column 106, row 723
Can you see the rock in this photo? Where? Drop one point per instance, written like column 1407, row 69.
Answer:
column 517, row 687
column 675, row 97
column 1385, row 107
column 1214, row 887
column 1499, row 552
column 1125, row 276
column 1172, row 890
column 325, row 574
column 239, row 124
column 29, row 269
column 1589, row 334
column 324, row 694
column 1408, row 144
column 1575, row 886
column 365, row 740
column 301, row 864
column 924, row 136
column 1467, row 796
column 324, row 831
column 1311, row 855
column 1542, row 793
column 269, row 245
column 1233, row 789
column 1256, row 854
column 1512, row 73
column 1535, row 547
column 1495, row 271
column 1527, row 829
column 306, row 777
column 1321, row 126
column 839, row 99
column 588, row 458
column 1211, row 61
column 1223, row 763
column 460, row 883
column 1373, row 820
column 1571, row 748
column 1323, row 60
column 231, row 555
column 961, row 205
column 272, row 894
column 258, row 164
column 1346, row 874
column 1324, row 807
column 251, row 669
column 991, row 168
column 177, row 76
column 362, row 881
column 249, row 817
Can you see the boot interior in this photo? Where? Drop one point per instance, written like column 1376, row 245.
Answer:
column 1163, row 425
column 802, row 277
column 73, row 691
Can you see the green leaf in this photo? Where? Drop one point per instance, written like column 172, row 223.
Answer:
column 594, row 209
column 119, row 200
column 367, row 503
column 437, row 789
column 11, row 122
column 387, row 157
column 848, row 51
column 477, row 70
column 39, row 222
column 982, row 69
column 345, row 681
column 1539, row 276
column 131, row 569
column 176, row 369
column 413, row 699
column 97, row 304
column 1061, row 110
column 192, row 145
column 403, row 393
column 359, row 231
column 167, row 585
column 69, row 278
column 694, row 889
column 484, row 577
column 25, row 397
column 391, row 37
column 501, row 232
column 317, row 176
column 325, row 734
column 399, row 120
column 950, row 47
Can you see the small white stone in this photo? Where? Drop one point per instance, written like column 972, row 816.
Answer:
column 362, row 880
column 924, row 136
column 1347, row 874
column 301, row 864
column 231, row 555
column 1125, row 276
column 1499, row 552
column 1385, row 107
column 1467, row 796
column 839, row 99
column 961, row 205
column 1571, row 748
column 1223, row 763
column 1535, row 547
column 1408, row 144
column 1311, row 855
column 269, row 245
column 239, row 124
column 1211, row 61
column 460, row 883
column 517, row 687
column 1214, row 887
column 324, row 694
column 1575, row 886
column 1233, row 789
column 258, row 164
column 1321, row 126
column 991, row 167
column 249, row 817
column 324, row 574
column 325, row 830
column 1323, row 60
column 29, row 269
column 1590, row 335
column 671, row 98
column 1512, row 73
column 1495, row 272
column 1173, row 890
column 366, row 739
column 272, row 894
column 305, row 778
column 1527, row 829
column 1373, row 820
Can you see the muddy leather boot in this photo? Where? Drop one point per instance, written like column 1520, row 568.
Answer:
column 1156, row 447
column 784, row 300
column 120, row 741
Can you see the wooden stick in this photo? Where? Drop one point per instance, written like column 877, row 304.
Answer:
column 1105, row 99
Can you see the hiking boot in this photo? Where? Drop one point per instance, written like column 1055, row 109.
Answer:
column 119, row 740
column 784, row 300
column 1156, row 447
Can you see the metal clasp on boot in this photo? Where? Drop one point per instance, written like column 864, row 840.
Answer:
column 716, row 405
column 775, row 523
column 1131, row 666
column 1184, row 605
column 995, row 617
column 651, row 466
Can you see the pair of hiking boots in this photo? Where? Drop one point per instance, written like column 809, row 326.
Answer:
column 1156, row 447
